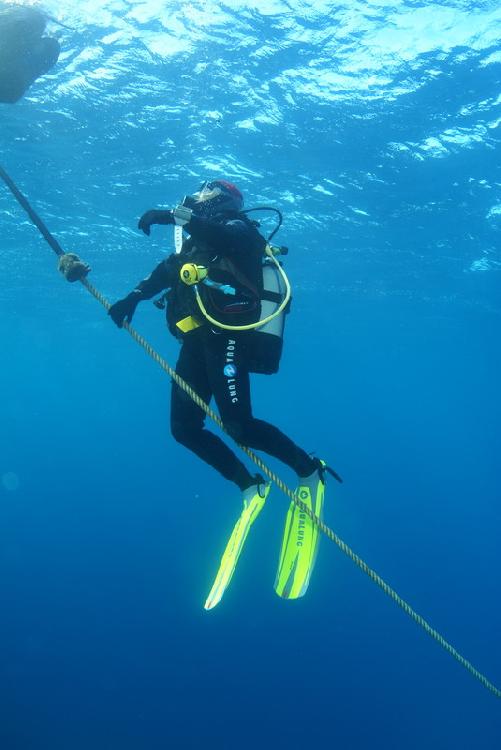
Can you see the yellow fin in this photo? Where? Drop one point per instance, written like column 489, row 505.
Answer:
column 299, row 544
column 252, row 509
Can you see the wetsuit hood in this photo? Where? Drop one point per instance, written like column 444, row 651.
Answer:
column 215, row 198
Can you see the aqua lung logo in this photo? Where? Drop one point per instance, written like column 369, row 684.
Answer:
column 303, row 495
column 230, row 370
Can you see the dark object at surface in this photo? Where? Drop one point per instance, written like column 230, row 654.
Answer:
column 25, row 54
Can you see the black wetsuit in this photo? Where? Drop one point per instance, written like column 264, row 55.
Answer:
column 215, row 362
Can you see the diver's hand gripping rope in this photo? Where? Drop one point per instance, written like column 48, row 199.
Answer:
column 270, row 474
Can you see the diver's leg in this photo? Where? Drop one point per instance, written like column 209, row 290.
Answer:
column 230, row 383
column 188, row 419
column 228, row 374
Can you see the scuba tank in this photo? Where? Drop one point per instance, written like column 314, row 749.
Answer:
column 267, row 341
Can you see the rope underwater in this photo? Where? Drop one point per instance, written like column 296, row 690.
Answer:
column 74, row 270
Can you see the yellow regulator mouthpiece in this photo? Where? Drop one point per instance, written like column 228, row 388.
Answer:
column 191, row 274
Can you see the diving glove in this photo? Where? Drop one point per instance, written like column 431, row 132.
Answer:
column 125, row 308
column 154, row 216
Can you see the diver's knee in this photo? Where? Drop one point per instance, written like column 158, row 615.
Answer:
column 181, row 432
column 239, row 431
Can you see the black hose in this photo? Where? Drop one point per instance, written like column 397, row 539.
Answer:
column 268, row 208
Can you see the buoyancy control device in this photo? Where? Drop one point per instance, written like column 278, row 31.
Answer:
column 264, row 335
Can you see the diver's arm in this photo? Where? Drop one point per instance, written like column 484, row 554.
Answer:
column 162, row 277
column 231, row 238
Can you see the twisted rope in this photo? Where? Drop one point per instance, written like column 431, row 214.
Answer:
column 326, row 530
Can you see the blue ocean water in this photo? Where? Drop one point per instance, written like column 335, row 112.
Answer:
column 374, row 127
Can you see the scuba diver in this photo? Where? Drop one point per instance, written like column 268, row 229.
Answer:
column 226, row 300
column 25, row 54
